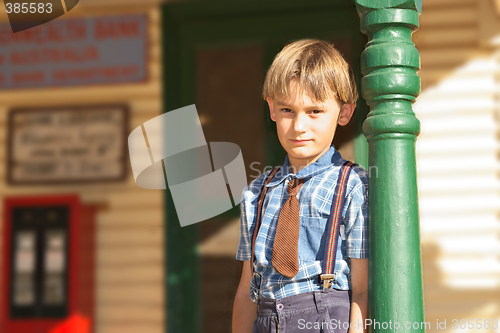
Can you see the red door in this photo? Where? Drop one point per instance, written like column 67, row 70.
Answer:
column 48, row 265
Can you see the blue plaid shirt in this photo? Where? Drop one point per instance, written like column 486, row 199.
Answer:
column 315, row 199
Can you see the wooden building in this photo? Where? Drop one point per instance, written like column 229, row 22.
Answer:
column 198, row 53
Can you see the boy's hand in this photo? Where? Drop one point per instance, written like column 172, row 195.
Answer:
column 359, row 302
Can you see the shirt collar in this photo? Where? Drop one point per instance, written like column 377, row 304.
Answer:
column 329, row 158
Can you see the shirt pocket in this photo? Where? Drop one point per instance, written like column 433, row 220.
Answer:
column 312, row 238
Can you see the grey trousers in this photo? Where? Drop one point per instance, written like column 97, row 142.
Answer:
column 315, row 312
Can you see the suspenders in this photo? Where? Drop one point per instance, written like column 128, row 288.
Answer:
column 332, row 225
column 259, row 210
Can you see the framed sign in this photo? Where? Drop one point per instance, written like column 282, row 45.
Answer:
column 67, row 144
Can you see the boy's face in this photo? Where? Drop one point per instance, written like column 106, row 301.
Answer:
column 306, row 127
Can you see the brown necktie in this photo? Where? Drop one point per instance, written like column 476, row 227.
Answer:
column 285, row 249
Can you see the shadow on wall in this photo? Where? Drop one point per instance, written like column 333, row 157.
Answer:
column 449, row 306
column 457, row 160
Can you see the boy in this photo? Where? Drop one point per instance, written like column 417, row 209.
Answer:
column 310, row 89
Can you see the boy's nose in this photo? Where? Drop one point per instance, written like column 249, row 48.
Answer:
column 300, row 123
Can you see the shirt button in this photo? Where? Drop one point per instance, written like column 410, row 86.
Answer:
column 279, row 307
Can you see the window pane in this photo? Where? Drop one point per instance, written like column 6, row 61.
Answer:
column 24, row 269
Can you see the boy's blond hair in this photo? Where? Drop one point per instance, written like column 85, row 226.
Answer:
column 318, row 68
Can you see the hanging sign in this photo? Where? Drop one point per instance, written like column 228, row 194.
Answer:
column 74, row 52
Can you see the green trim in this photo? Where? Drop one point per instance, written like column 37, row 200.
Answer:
column 182, row 268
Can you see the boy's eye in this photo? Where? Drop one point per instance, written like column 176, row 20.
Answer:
column 316, row 111
column 286, row 110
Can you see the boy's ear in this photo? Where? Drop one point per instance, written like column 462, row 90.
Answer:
column 271, row 108
column 346, row 113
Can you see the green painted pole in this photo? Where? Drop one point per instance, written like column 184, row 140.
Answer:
column 390, row 85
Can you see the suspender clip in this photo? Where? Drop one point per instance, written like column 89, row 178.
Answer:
column 327, row 280
column 256, row 289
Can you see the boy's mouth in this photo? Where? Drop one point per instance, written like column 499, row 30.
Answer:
column 299, row 141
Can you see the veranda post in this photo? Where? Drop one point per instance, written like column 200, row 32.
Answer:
column 390, row 85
